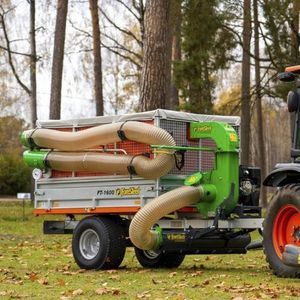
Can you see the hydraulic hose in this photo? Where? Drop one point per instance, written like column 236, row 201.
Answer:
column 99, row 162
column 140, row 232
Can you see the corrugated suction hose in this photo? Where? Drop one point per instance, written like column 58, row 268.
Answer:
column 140, row 232
column 99, row 135
column 102, row 135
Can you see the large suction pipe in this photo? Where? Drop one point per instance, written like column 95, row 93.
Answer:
column 140, row 232
column 95, row 136
column 99, row 162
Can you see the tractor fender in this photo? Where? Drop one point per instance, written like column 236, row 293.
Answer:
column 283, row 174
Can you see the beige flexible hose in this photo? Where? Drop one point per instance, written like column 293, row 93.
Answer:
column 110, row 164
column 99, row 135
column 140, row 232
column 102, row 135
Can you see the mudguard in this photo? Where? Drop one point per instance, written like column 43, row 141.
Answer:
column 283, row 174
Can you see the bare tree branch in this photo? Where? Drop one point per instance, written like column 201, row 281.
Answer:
column 240, row 42
column 86, row 33
column 267, row 47
column 10, row 60
column 15, row 52
column 121, row 47
column 109, row 48
column 127, row 32
column 129, row 9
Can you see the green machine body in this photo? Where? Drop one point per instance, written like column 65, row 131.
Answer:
column 223, row 178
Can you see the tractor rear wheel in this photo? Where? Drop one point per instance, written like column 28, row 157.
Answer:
column 282, row 227
column 156, row 259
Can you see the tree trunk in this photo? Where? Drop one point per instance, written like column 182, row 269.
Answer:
column 58, row 58
column 295, row 33
column 156, row 71
column 176, row 49
column 98, row 89
column 258, row 106
column 245, row 100
column 33, row 104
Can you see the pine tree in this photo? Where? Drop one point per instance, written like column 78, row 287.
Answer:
column 282, row 41
column 156, row 71
column 205, row 50
column 245, row 98
column 58, row 58
column 98, row 89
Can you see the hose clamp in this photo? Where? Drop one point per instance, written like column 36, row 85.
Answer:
column 32, row 144
column 130, row 167
column 121, row 133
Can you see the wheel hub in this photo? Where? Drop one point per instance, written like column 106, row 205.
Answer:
column 286, row 228
column 89, row 244
column 297, row 234
column 151, row 254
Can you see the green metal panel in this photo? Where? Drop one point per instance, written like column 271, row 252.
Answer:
column 223, row 134
column 225, row 174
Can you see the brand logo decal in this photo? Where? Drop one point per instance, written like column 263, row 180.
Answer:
column 128, row 191
column 204, row 128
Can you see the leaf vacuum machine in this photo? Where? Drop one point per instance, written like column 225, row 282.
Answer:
column 167, row 183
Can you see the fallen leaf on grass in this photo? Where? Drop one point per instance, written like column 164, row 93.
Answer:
column 144, row 271
column 77, row 292
column 197, row 273
column 32, row 276
column 66, row 267
column 205, row 282
column 154, row 281
column 172, row 274
column 220, row 285
column 101, row 291
column 43, row 281
column 144, row 295
column 111, row 271
column 182, row 285
column 107, row 290
column 72, row 273
column 61, row 282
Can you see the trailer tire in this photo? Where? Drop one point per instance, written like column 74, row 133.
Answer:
column 98, row 243
column 156, row 259
column 281, row 227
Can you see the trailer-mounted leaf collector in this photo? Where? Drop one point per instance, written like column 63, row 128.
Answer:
column 168, row 183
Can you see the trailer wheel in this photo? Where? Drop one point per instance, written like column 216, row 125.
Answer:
column 98, row 243
column 157, row 259
column 282, row 227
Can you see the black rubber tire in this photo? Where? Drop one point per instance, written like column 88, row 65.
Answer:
column 112, row 243
column 289, row 194
column 162, row 260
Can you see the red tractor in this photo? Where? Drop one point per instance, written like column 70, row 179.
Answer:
column 281, row 230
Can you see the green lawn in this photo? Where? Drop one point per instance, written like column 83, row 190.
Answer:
column 36, row 266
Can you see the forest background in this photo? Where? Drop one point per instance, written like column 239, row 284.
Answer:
column 82, row 58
